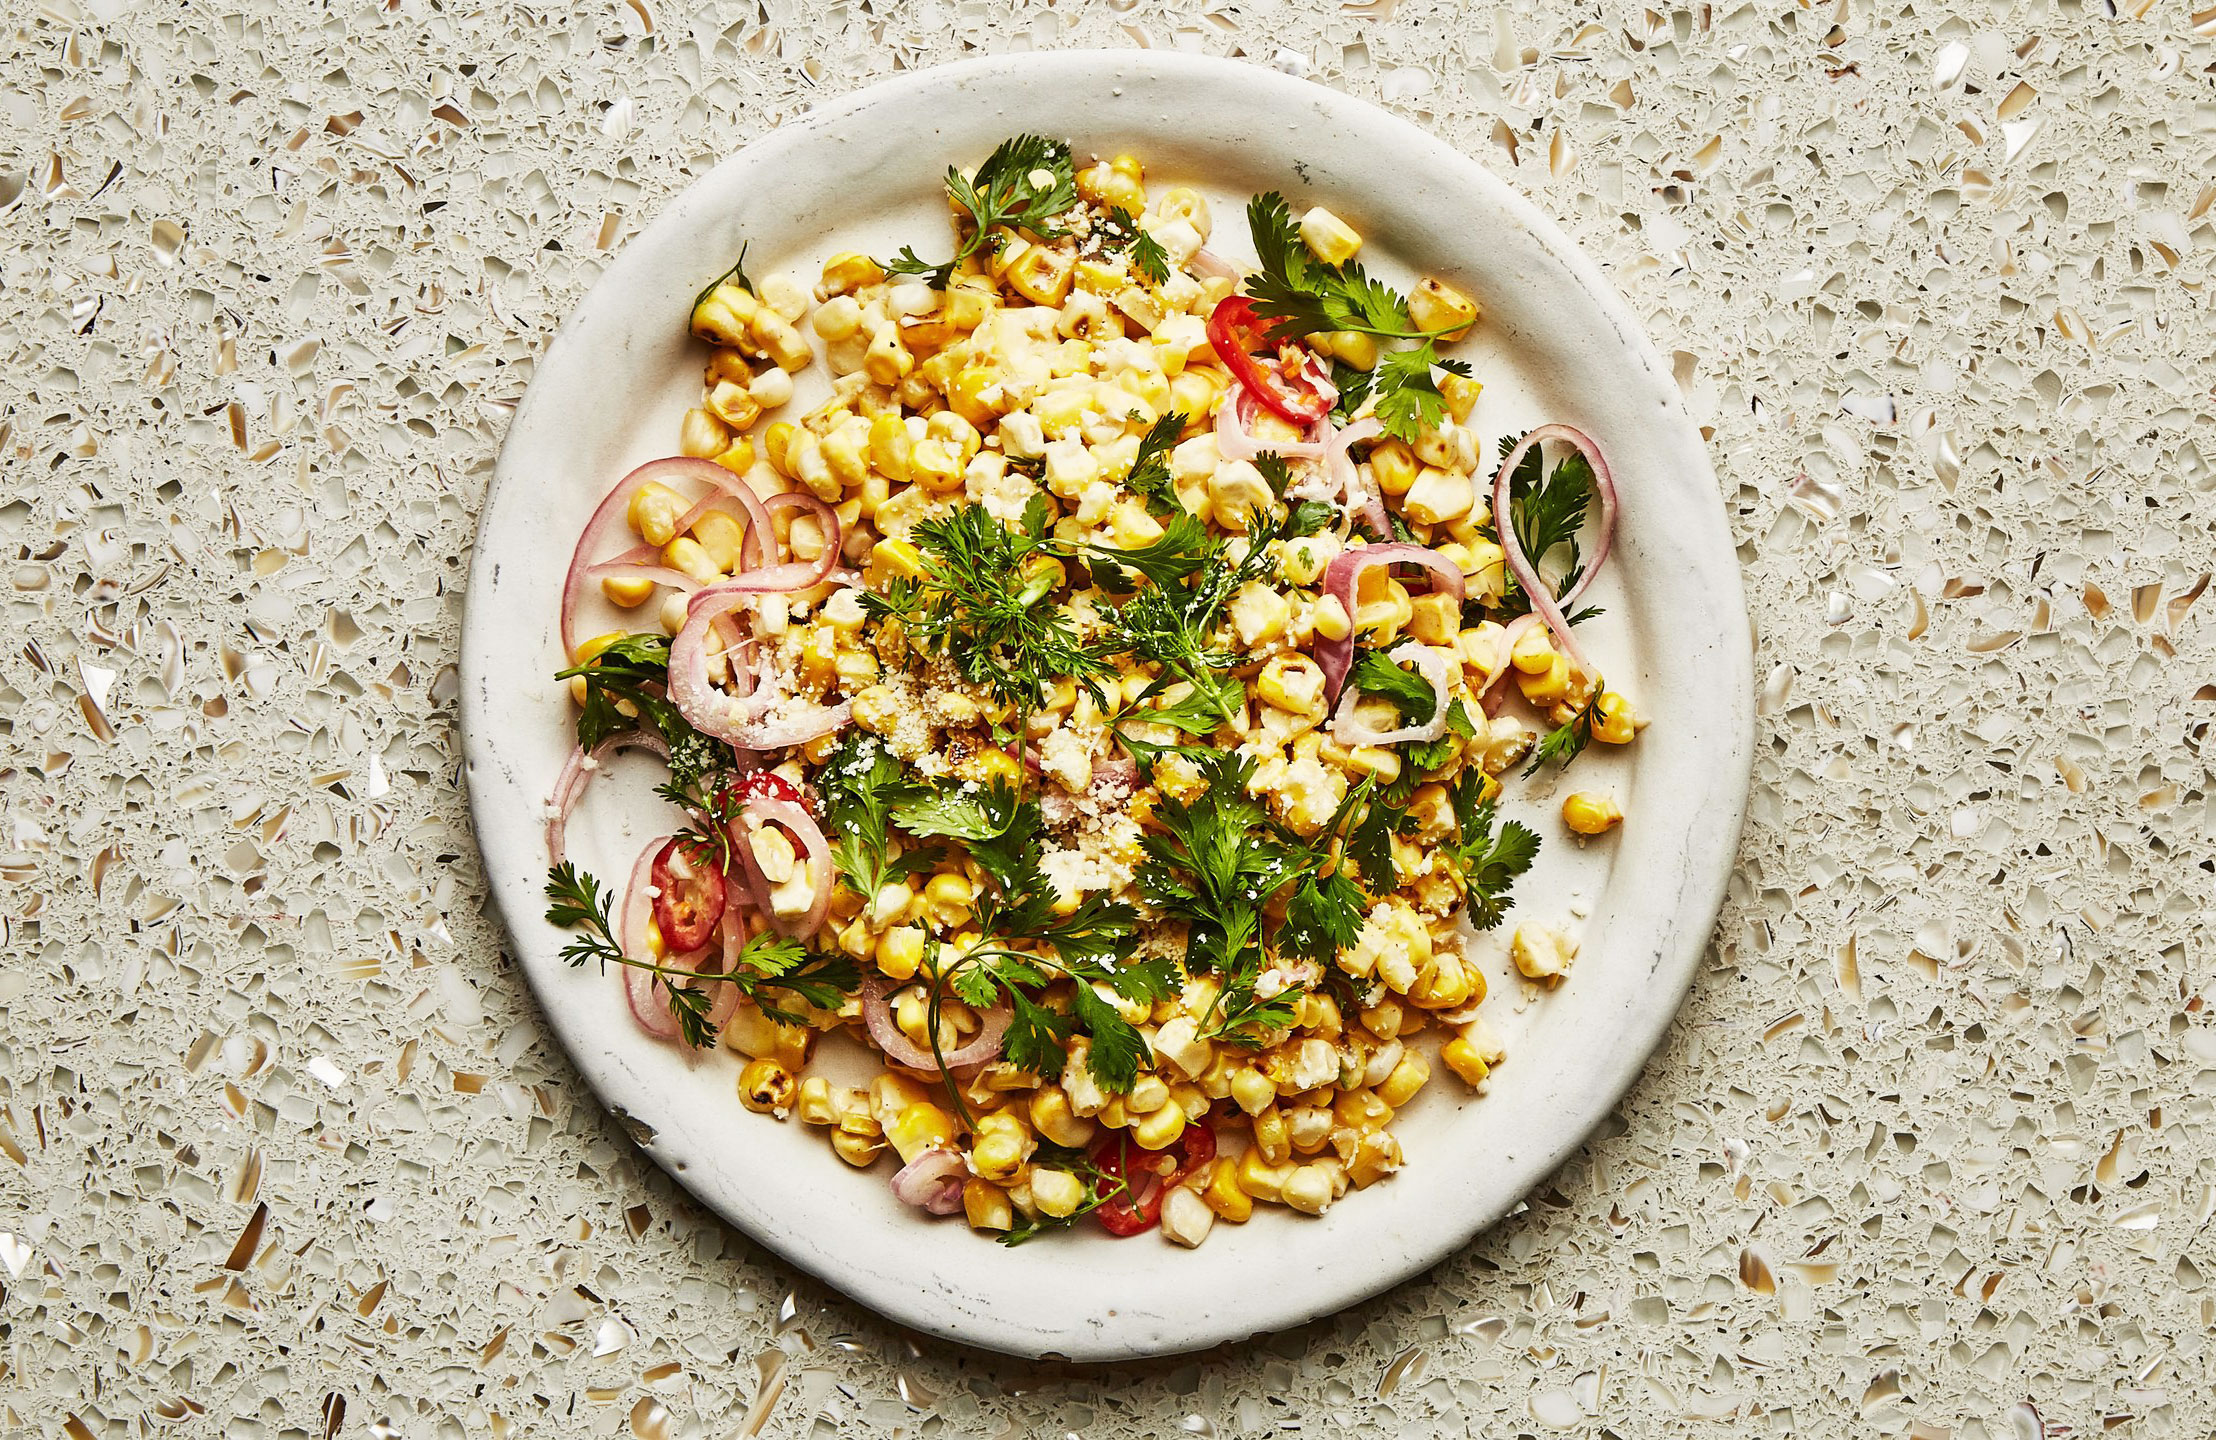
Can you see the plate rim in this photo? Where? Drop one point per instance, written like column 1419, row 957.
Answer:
column 1708, row 871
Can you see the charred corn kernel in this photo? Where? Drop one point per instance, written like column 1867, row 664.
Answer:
column 1541, row 952
column 654, row 512
column 702, row 435
column 1327, row 237
column 1042, row 274
column 685, row 554
column 1393, row 466
column 1159, row 1129
column 1262, row 1178
column 918, row 1128
column 1270, row 1137
column 858, row 1150
column 847, row 272
column 1407, row 1078
column 1462, row 1057
column 977, row 395
column 721, row 537
column 1590, row 814
column 1223, row 1194
column 1052, row 1117
column 628, row 591
column 1057, row 1193
column 733, row 404
column 1614, row 721
column 1331, row 620
column 766, row 1087
column 1376, row 1155
column 1533, row 652
column 887, row 361
column 721, row 315
column 1186, row 1218
column 1436, row 305
column 1550, row 685
column 1437, row 496
column 1308, row 1189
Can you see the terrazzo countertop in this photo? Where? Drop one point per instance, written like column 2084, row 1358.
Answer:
column 284, row 1151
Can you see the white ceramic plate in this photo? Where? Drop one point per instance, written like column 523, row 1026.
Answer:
column 1557, row 344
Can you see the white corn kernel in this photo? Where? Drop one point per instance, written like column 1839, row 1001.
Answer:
column 1186, row 1218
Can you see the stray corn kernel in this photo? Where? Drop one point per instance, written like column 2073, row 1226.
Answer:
column 1591, row 814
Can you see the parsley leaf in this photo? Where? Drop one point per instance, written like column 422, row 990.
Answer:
column 1322, row 918
column 1185, row 546
column 1548, row 509
column 635, row 669
column 862, row 784
column 1002, row 192
column 1304, row 295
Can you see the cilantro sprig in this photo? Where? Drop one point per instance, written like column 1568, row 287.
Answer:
column 1547, row 508
column 1005, row 190
column 1118, row 231
column 634, row 671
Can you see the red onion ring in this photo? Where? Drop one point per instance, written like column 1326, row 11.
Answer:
column 899, row 1049
column 577, row 773
column 647, row 992
column 1348, row 728
column 933, row 1181
column 641, row 562
column 611, row 511
column 1235, row 440
column 1343, row 576
column 1340, row 466
column 1520, row 565
column 731, row 717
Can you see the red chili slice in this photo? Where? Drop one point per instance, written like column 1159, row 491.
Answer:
column 1139, row 1207
column 688, row 895
column 768, row 785
column 1282, row 385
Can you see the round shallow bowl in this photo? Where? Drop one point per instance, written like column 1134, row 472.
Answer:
column 1556, row 344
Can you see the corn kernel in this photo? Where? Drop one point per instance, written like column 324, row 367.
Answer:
column 1437, row 306
column 685, row 554
column 1588, row 813
column 1186, row 1218
column 702, row 435
column 766, row 1087
column 986, row 1207
column 1407, row 1078
column 1000, row 1154
column 1376, row 1155
column 1614, row 721
column 1271, row 1138
column 1461, row 394
column 722, row 314
column 1550, row 685
column 918, row 1128
column 628, row 591
column 1057, row 1193
column 1308, row 1189
column 1533, row 653
column 1223, row 1195
column 1541, row 952
column 1437, row 496
column 1460, row 1056
column 1159, row 1129
column 815, row 1104
column 1327, row 237
column 721, row 539
column 1393, row 466
column 1261, row 1178
column 847, row 272
column 1042, row 274
column 654, row 512
column 860, row 1151
column 1332, row 621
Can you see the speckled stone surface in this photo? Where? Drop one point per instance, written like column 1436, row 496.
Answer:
column 1931, row 1150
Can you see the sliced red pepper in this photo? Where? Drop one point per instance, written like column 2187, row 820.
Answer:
column 687, row 905
column 1283, row 385
column 1139, row 1207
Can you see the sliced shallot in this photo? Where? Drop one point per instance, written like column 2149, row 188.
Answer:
column 1235, row 433
column 1520, row 565
column 610, row 513
column 1342, row 579
column 932, row 1181
column 898, row 1048
column 577, row 773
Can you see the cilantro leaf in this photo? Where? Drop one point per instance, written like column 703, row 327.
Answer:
column 1484, row 864
column 1003, row 191
column 1408, row 399
column 1377, row 673
column 1183, row 548
column 1322, row 918
column 1565, row 742
column 1149, row 476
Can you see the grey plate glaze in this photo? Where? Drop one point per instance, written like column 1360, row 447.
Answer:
column 1557, row 344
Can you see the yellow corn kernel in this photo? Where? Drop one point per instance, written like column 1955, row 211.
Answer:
column 1052, row 1117
column 1461, row 394
column 1352, row 346
column 918, row 1128
column 1271, row 1138
column 654, row 512
column 629, row 592
column 1534, row 651
column 722, row 314
column 889, row 1094
column 860, row 1151
column 1331, row 619
column 1308, row 1189
column 721, row 539
column 1057, row 1193
column 780, row 341
column 766, row 1087
column 1384, row 1019
column 734, row 404
column 1435, row 619
column 1104, row 184
column 1000, row 1153
column 995, row 764
column 1541, row 952
column 1376, row 1155
column 1614, row 721
column 1437, row 497
column 1393, row 466
column 1159, row 1129
column 1327, row 237
column 702, row 435
column 1407, row 1078
column 936, row 466
column 1260, row 1178
column 1375, row 760
column 1223, row 1195
column 589, row 650
column 897, row 557
column 887, row 361
column 1462, row 1057
column 1548, row 686
column 1590, row 814
column 1362, row 1110
column 986, row 1206
column 900, row 952
column 1042, row 275
column 685, row 554
column 1251, row 1090
column 817, row 1104
column 845, row 452
column 1437, row 306
column 849, row 271
column 977, row 395
column 737, row 457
